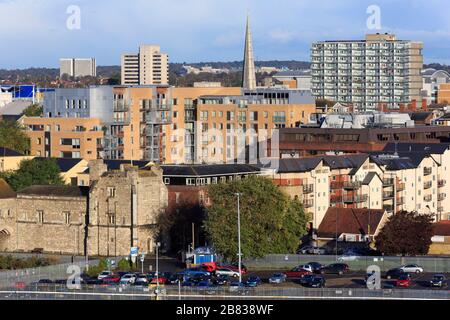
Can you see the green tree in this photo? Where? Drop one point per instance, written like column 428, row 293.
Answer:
column 13, row 136
column 271, row 222
column 406, row 233
column 34, row 110
column 34, row 172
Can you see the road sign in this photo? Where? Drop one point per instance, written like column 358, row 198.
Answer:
column 142, row 258
column 134, row 251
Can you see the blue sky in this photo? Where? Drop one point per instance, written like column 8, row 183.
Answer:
column 33, row 33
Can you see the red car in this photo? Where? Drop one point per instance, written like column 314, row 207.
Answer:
column 209, row 266
column 161, row 280
column 404, row 281
column 297, row 273
column 114, row 278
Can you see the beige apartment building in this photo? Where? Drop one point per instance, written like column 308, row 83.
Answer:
column 64, row 137
column 148, row 67
column 410, row 181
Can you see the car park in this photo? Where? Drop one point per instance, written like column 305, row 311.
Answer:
column 438, row 281
column 335, row 268
column 277, row 278
column 411, row 268
column 404, row 280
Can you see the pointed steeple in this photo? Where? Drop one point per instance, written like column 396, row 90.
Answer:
column 249, row 77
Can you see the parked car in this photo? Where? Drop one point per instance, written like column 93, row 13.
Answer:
column 394, row 273
column 316, row 266
column 335, row 268
column 239, row 288
column 314, row 281
column 438, row 281
column 128, row 278
column 349, row 257
column 227, row 272
column 298, row 272
column 104, row 274
column 277, row 278
column 221, row 280
column 188, row 283
column 176, row 278
column 312, row 250
column 141, row 278
column 209, row 266
column 114, row 278
column 45, row 281
column 404, row 281
column 253, row 281
column 159, row 280
column 411, row 268
column 235, row 267
column 196, row 271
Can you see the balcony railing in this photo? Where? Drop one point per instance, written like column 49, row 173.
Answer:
column 427, row 185
column 352, row 185
column 388, row 208
column 442, row 183
column 388, row 182
column 401, row 186
column 388, row 195
column 355, row 199
column 428, row 198
column 336, row 199
column 400, row 201
column 308, row 189
column 336, row 185
column 427, row 171
column 442, row 196
column 308, row 203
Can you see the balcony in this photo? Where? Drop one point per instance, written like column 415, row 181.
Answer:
column 352, row 185
column 308, row 203
column 442, row 196
column 427, row 185
column 336, row 185
column 400, row 201
column 388, row 195
column 427, row 171
column 355, row 199
column 442, row 183
column 389, row 208
column 401, row 186
column 440, row 209
column 308, row 189
column 428, row 198
column 388, row 182
column 336, row 199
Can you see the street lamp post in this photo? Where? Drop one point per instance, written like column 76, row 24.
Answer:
column 239, row 237
column 157, row 268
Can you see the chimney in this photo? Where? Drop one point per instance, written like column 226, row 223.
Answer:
column 414, row 105
column 424, row 105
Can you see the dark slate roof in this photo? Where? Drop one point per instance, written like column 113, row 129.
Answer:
column 64, row 164
column 348, row 161
column 6, row 191
column 442, row 228
column 420, row 116
column 11, row 117
column 350, row 221
column 207, row 170
column 394, row 163
column 298, row 165
column 414, row 158
column 115, row 164
column 5, row 152
column 60, row 191
column 427, row 148
column 369, row 177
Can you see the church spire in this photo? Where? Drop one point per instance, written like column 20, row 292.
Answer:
column 249, row 77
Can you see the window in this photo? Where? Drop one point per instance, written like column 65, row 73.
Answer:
column 111, row 192
column 40, row 214
column 67, row 217
column 167, row 181
column 190, row 182
column 112, row 219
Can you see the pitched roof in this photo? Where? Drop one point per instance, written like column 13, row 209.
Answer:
column 207, row 170
column 5, row 190
column 64, row 164
column 5, row 152
column 420, row 115
column 442, row 228
column 53, row 190
column 348, row 161
column 426, row 148
column 349, row 221
column 394, row 164
column 298, row 165
column 369, row 177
